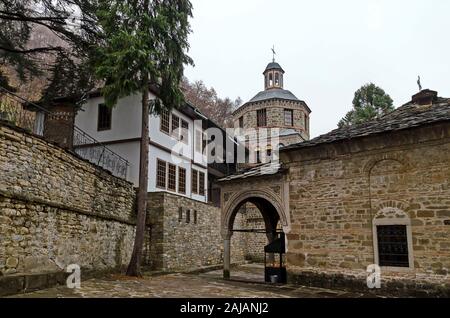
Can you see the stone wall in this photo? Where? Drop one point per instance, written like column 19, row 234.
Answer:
column 57, row 209
column 254, row 242
column 339, row 191
column 185, row 234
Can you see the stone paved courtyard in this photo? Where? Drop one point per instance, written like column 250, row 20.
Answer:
column 247, row 282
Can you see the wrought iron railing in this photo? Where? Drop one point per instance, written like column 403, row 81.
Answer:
column 84, row 145
column 93, row 151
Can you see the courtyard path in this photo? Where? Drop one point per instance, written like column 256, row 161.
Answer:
column 246, row 283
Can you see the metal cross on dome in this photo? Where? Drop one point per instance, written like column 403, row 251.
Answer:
column 274, row 53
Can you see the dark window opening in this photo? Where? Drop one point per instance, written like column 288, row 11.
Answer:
column 180, row 214
column 195, row 216
column 188, row 216
column 288, row 117
column 104, row 117
column 261, row 117
column 393, row 245
column 241, row 122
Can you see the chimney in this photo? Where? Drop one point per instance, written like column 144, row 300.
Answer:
column 425, row 97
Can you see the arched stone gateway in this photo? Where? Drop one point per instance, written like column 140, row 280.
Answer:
column 269, row 193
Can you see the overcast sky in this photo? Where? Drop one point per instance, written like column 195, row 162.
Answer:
column 328, row 49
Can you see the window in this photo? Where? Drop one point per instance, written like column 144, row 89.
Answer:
column 172, row 184
column 393, row 245
column 184, row 136
column 181, row 180
column 277, row 79
column 288, row 117
column 269, row 152
column 241, row 122
column 194, row 181
column 261, row 119
column 175, row 126
column 201, row 182
column 307, row 123
column 195, row 216
column 180, row 214
column 161, row 174
column 258, row 156
column 165, row 121
column 104, row 117
column 188, row 216
column 270, row 79
column 198, row 140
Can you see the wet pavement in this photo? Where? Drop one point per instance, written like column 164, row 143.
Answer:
column 246, row 282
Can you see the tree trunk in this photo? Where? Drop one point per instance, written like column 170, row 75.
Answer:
column 134, row 268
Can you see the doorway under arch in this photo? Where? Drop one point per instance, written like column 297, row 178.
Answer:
column 272, row 210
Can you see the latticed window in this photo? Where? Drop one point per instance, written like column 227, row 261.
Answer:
column 165, row 121
column 261, row 117
column 393, row 245
column 172, row 184
column 184, row 136
column 175, row 125
column 201, row 183
column 194, row 181
column 161, row 174
column 181, row 180
column 104, row 117
column 288, row 117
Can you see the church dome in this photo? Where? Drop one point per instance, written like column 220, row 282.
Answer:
column 273, row 66
column 274, row 94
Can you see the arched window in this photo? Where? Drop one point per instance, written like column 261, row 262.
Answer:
column 270, row 79
column 277, row 79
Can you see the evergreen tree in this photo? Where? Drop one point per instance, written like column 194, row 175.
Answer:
column 144, row 45
column 370, row 102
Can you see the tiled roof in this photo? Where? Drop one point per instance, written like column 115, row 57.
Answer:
column 261, row 170
column 407, row 116
column 274, row 65
column 274, row 93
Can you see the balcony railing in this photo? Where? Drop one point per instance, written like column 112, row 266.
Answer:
column 65, row 135
column 93, row 151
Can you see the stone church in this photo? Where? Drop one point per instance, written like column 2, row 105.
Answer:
column 375, row 194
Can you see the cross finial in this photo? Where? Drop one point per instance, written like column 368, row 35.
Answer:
column 273, row 53
column 419, row 83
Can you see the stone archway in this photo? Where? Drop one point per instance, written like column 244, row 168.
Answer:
column 272, row 202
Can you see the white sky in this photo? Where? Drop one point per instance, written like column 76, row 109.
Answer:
column 328, row 49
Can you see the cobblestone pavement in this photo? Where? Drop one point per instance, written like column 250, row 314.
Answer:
column 247, row 282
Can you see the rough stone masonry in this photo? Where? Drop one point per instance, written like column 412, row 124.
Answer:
column 57, row 209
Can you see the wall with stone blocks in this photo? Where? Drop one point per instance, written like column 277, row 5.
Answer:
column 338, row 190
column 57, row 209
column 181, row 242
